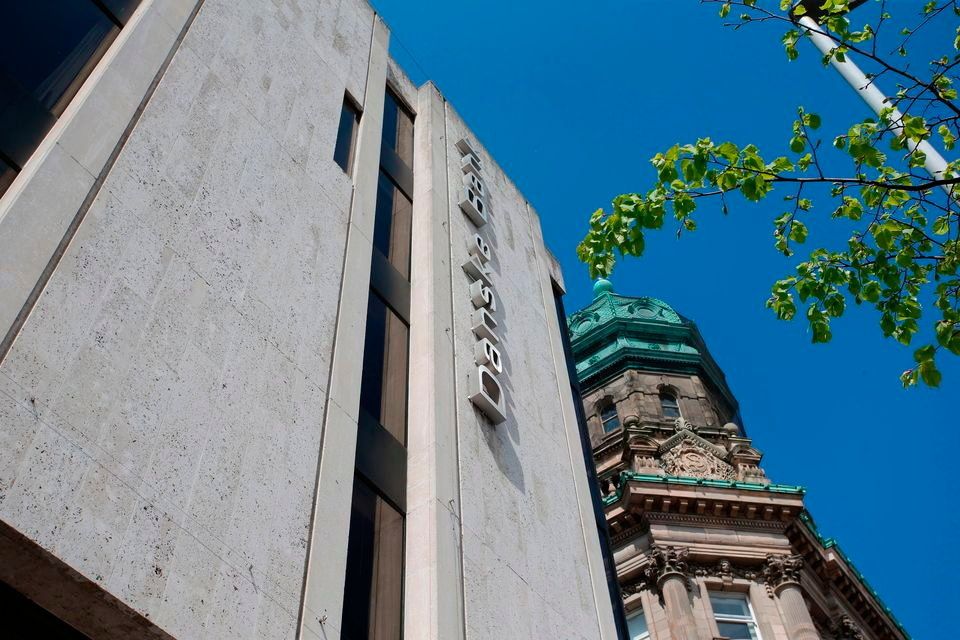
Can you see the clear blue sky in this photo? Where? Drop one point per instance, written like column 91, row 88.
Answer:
column 573, row 99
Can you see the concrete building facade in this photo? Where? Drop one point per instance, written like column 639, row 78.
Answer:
column 706, row 546
column 281, row 354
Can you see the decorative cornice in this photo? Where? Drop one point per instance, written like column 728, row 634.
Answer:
column 718, row 522
column 825, row 543
column 627, row 476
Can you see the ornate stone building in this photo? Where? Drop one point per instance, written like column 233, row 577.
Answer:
column 705, row 545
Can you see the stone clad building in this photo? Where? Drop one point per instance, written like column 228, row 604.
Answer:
column 706, row 546
column 280, row 350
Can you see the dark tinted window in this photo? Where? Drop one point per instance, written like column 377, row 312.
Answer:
column 47, row 50
column 347, row 135
column 383, row 390
column 391, row 231
column 373, row 593
column 7, row 174
column 45, row 45
column 398, row 128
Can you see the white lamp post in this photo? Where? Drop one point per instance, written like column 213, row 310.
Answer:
column 867, row 89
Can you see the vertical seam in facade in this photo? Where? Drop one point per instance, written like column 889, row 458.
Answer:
column 548, row 304
column 453, row 361
column 333, row 349
column 7, row 343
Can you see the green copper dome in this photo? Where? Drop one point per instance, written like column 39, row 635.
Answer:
column 615, row 333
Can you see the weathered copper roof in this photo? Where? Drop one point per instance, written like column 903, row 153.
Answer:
column 616, row 332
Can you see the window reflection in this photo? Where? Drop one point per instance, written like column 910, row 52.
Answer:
column 637, row 625
column 398, row 128
column 46, row 45
column 391, row 230
column 347, row 135
column 7, row 174
column 47, row 50
column 610, row 418
column 373, row 594
column 383, row 390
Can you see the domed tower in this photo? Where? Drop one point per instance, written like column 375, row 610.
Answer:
column 706, row 546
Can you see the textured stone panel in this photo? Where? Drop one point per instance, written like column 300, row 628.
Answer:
column 523, row 538
column 179, row 357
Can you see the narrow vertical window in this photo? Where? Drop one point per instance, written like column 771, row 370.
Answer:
column 391, row 231
column 734, row 616
column 610, row 418
column 669, row 405
column 637, row 625
column 383, row 390
column 373, row 593
column 347, row 135
column 398, row 128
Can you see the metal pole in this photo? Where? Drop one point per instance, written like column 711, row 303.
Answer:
column 934, row 163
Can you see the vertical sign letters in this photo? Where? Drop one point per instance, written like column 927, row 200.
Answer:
column 486, row 392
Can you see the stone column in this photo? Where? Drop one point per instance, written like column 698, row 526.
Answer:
column 667, row 571
column 782, row 574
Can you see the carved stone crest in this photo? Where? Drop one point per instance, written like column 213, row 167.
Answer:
column 689, row 459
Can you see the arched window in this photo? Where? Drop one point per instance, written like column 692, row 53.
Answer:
column 609, row 417
column 668, row 404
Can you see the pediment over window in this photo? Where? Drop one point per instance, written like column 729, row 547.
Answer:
column 684, row 434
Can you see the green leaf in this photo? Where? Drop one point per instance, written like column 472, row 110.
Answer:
column 754, row 188
column 948, row 138
column 821, row 331
column 728, row 151
column 924, row 353
column 798, row 232
column 915, row 128
column 871, row 292
column 941, row 226
column 835, row 305
column 930, row 374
